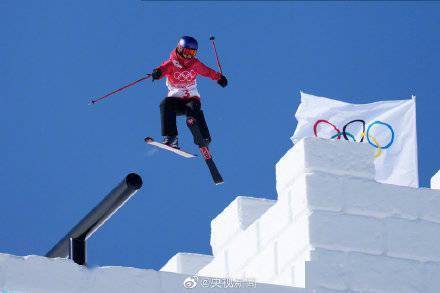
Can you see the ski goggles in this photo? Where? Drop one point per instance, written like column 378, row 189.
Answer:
column 187, row 52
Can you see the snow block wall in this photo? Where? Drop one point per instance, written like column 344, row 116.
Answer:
column 186, row 263
column 333, row 228
column 435, row 181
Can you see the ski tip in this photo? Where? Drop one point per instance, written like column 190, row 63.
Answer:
column 148, row 139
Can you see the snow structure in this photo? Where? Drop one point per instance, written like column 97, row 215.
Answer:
column 332, row 229
column 435, row 181
column 37, row 274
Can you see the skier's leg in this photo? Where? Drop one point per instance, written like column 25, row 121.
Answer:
column 168, row 116
column 194, row 110
column 200, row 117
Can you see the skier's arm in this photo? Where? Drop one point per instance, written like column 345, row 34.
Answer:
column 162, row 70
column 205, row 71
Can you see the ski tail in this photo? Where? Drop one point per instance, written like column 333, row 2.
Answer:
column 204, row 150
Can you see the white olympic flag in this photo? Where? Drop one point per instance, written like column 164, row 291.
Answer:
column 388, row 126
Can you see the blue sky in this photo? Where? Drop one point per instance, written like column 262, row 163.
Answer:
column 60, row 156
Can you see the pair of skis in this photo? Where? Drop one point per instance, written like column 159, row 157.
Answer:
column 203, row 147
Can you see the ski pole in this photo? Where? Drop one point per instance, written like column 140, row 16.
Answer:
column 212, row 38
column 92, row 102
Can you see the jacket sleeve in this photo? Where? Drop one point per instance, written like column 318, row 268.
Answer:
column 204, row 70
column 165, row 68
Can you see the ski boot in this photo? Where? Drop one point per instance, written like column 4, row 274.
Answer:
column 171, row 140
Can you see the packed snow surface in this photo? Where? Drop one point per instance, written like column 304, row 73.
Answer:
column 36, row 274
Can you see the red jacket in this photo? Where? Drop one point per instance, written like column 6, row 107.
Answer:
column 182, row 73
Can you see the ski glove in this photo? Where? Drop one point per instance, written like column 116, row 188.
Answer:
column 156, row 74
column 222, row 81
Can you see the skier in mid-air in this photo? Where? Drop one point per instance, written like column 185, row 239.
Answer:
column 183, row 98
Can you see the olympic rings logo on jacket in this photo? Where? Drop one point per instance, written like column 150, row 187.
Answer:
column 185, row 75
column 364, row 134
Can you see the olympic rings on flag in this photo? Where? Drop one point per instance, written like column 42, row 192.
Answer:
column 345, row 135
column 315, row 128
column 376, row 145
column 344, row 129
column 370, row 138
column 379, row 148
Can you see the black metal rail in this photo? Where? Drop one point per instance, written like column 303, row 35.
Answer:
column 73, row 245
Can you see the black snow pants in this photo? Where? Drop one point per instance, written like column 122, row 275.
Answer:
column 171, row 107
